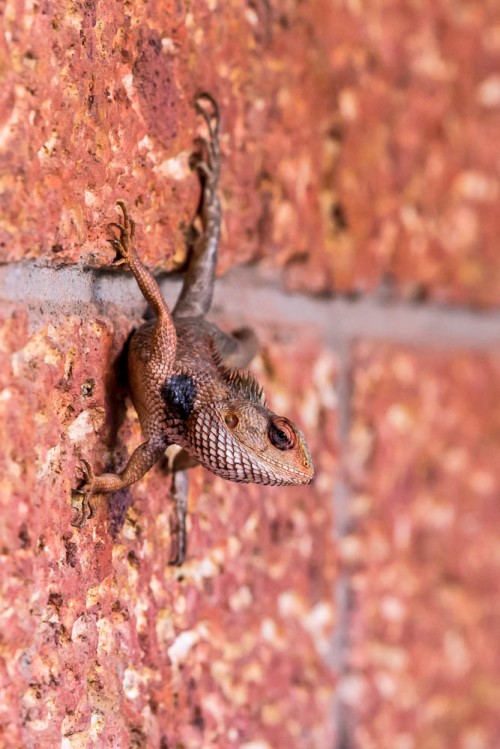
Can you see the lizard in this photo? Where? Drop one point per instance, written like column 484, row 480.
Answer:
column 184, row 373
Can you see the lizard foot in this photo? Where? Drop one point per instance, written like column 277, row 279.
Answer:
column 210, row 113
column 123, row 243
column 207, row 160
column 80, row 497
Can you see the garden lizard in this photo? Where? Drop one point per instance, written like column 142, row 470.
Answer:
column 183, row 371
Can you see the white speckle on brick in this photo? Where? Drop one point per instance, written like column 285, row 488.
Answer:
column 241, row 599
column 488, row 93
column 168, row 45
column 176, row 168
column 81, row 428
column 131, row 682
column 90, row 198
column 181, row 646
column 146, row 143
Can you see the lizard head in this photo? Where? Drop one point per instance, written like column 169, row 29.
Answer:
column 255, row 445
column 233, row 434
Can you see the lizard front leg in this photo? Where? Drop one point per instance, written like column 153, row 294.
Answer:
column 142, row 459
column 163, row 342
column 148, row 368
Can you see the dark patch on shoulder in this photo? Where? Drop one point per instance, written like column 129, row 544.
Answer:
column 179, row 393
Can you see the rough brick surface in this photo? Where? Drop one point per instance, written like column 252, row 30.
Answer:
column 359, row 139
column 104, row 644
column 98, row 102
column 423, row 556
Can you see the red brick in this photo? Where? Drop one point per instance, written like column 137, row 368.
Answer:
column 97, row 106
column 358, row 147
column 417, row 173
column 104, row 644
column 422, row 557
column 359, row 144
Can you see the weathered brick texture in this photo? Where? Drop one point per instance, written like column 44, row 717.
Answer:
column 360, row 144
column 360, row 139
column 104, row 644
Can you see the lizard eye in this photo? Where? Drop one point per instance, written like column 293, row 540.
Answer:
column 231, row 420
column 281, row 433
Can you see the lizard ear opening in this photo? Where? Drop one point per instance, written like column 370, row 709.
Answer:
column 231, row 420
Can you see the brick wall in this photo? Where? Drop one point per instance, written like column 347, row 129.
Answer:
column 361, row 183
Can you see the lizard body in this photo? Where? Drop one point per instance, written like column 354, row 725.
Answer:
column 184, row 374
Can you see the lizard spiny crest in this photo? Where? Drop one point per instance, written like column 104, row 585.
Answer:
column 242, row 384
column 245, row 385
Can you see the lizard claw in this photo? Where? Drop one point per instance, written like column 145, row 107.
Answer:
column 122, row 244
column 210, row 114
column 203, row 168
column 86, row 473
column 206, row 160
column 83, row 506
column 80, row 497
column 118, row 260
column 121, row 229
column 128, row 222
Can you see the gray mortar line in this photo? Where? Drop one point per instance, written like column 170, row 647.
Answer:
column 340, row 648
column 243, row 293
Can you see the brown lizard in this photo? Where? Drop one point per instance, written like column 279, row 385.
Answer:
column 184, row 374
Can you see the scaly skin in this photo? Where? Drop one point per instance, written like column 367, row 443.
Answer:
column 182, row 377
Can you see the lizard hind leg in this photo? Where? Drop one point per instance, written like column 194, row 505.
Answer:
column 196, row 295
column 179, row 461
column 179, row 490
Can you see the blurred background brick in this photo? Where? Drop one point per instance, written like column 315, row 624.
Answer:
column 423, row 552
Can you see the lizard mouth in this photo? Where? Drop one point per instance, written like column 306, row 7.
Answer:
column 245, row 471
column 295, row 476
column 289, row 470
